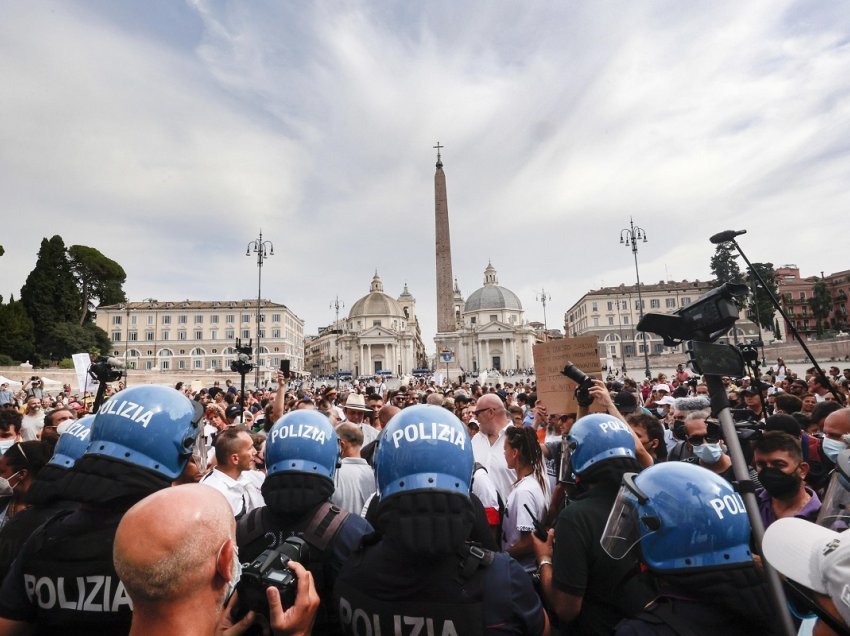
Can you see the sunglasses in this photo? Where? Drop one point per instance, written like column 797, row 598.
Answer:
column 480, row 411
column 698, row 440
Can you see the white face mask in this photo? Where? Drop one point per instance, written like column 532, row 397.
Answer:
column 5, row 445
column 832, row 447
column 235, row 574
column 709, row 453
column 6, row 488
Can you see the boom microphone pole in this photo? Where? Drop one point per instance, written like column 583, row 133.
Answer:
column 729, row 237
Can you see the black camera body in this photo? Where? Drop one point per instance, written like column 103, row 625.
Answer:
column 105, row 369
column 583, row 381
column 242, row 364
column 271, row 569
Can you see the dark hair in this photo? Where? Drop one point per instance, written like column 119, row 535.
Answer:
column 788, row 403
column 10, row 417
column 772, row 441
column 29, row 455
column 524, row 439
column 226, row 443
column 653, row 429
column 785, row 423
column 822, row 409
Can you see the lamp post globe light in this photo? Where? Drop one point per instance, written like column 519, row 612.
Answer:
column 263, row 249
column 629, row 237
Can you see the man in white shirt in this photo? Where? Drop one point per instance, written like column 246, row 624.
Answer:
column 233, row 476
column 354, row 481
column 33, row 420
column 488, row 444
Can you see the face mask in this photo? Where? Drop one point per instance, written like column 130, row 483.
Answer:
column 235, row 574
column 5, row 445
column 6, row 488
column 708, row 453
column 660, row 411
column 779, row 484
column 832, row 447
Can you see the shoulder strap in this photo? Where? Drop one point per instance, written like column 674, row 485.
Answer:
column 324, row 525
column 250, row 527
column 661, row 610
column 473, row 557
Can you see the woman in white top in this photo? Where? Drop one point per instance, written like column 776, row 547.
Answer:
column 529, row 492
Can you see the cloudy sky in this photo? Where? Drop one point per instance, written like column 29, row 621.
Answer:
column 167, row 134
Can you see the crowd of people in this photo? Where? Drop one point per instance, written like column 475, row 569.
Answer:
column 459, row 508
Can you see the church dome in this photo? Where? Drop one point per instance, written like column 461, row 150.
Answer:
column 376, row 302
column 492, row 296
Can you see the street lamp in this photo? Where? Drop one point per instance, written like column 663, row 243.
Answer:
column 543, row 297
column 263, row 249
column 336, row 305
column 630, row 236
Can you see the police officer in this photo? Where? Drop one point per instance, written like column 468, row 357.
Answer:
column 64, row 581
column 43, row 492
column 588, row 590
column 418, row 574
column 691, row 530
column 302, row 451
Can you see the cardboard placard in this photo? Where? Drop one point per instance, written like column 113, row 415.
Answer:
column 557, row 391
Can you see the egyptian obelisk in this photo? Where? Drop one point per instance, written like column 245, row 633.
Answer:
column 446, row 322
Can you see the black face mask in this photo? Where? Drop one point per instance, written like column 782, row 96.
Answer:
column 779, row 484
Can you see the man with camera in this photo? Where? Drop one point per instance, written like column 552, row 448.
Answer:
column 180, row 574
column 34, row 387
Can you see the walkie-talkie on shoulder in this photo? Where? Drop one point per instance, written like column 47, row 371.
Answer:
column 539, row 530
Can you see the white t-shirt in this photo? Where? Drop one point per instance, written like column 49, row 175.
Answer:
column 354, row 483
column 517, row 520
column 242, row 494
column 31, row 426
column 492, row 457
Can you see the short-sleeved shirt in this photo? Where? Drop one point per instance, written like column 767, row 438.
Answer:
column 611, row 589
column 492, row 457
column 809, row 512
column 242, row 494
column 354, row 483
column 527, row 492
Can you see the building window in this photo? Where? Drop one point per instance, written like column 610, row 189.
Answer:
column 213, row 335
column 670, row 302
column 654, row 303
column 199, row 319
column 376, row 323
column 166, row 320
column 230, row 334
column 246, row 317
column 686, row 301
column 133, row 336
column 641, row 348
column 802, row 297
column 629, row 350
column 214, row 363
column 230, row 318
column 198, row 364
column 150, row 320
column 275, row 333
column 116, row 320
column 639, row 304
column 610, row 320
column 610, row 305
column 262, row 333
column 275, row 317
column 493, row 318
column 164, row 335
column 182, row 319
column 625, row 320
column 164, row 365
column 116, row 336
column 149, row 365
column 659, row 348
column 199, row 335
column 472, row 320
column 596, row 322
column 181, row 335
column 214, row 319
column 624, row 304
column 594, row 307
column 149, row 336
column 246, row 333
column 133, row 319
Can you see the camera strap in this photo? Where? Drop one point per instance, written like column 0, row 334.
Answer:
column 324, row 525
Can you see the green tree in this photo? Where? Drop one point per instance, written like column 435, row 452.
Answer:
column 67, row 338
column 50, row 295
column 98, row 278
column 16, row 331
column 821, row 304
column 724, row 266
column 760, row 308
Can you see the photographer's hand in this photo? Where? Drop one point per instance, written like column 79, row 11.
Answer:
column 603, row 397
column 296, row 620
column 226, row 626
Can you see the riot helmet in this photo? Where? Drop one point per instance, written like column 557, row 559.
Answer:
column 72, row 444
column 835, row 509
column 423, row 467
column 684, row 517
column 302, row 452
column 593, row 440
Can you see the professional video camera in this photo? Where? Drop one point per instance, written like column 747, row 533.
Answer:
column 583, row 381
column 107, row 369
column 242, row 364
column 271, row 569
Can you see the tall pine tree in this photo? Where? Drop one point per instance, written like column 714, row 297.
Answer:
column 50, row 294
column 760, row 308
column 16, row 336
column 724, row 266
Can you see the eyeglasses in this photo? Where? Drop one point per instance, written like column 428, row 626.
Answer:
column 698, row 440
column 478, row 412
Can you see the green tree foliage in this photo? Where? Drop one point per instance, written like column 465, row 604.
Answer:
column 50, row 295
column 760, row 309
column 16, row 331
column 98, row 278
column 67, row 338
column 724, row 266
column 821, row 304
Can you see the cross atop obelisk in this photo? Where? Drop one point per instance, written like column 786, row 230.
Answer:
column 446, row 321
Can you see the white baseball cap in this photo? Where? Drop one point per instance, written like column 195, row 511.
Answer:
column 815, row 557
column 662, row 387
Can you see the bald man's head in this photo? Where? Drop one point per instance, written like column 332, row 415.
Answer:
column 492, row 416
column 167, row 546
column 386, row 414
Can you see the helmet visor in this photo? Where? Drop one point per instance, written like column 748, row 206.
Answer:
column 835, row 510
column 622, row 531
column 565, row 472
column 199, row 451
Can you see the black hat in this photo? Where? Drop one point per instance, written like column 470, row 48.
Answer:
column 233, row 411
column 626, row 402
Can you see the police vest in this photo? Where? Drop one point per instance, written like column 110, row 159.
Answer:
column 453, row 608
column 69, row 577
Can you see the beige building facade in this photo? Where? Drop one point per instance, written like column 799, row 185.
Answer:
column 200, row 335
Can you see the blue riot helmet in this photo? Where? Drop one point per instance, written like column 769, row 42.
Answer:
column 72, row 443
column 423, row 447
column 594, row 439
column 149, row 426
column 835, row 509
column 302, row 451
column 683, row 516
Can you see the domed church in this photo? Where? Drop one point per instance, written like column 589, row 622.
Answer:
column 492, row 332
column 382, row 334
